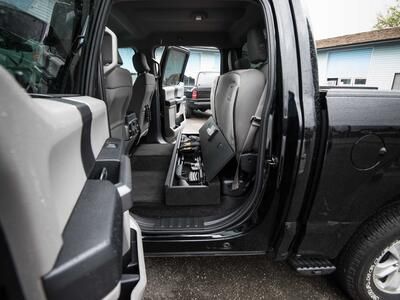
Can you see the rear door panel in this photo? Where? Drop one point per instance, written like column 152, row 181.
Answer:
column 173, row 100
column 66, row 218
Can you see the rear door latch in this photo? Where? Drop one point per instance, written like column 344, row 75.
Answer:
column 272, row 162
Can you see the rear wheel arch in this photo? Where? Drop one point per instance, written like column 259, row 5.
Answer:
column 365, row 250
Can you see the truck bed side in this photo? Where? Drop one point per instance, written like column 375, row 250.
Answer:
column 360, row 171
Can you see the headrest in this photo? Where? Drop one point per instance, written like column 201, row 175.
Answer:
column 256, row 46
column 106, row 49
column 242, row 64
column 140, row 63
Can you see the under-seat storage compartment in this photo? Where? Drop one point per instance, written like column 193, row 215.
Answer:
column 150, row 163
column 187, row 183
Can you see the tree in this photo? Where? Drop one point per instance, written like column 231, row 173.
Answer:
column 390, row 19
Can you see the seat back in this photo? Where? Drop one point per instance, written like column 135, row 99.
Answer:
column 118, row 86
column 142, row 93
column 237, row 94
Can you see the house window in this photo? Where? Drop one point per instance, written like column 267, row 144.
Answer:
column 360, row 81
column 396, row 82
column 349, row 65
column 345, row 81
column 332, row 81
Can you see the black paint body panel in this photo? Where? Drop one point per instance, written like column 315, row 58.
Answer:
column 356, row 180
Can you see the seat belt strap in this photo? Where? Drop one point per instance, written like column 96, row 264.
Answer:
column 212, row 98
column 255, row 123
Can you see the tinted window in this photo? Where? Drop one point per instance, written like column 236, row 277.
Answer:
column 201, row 59
column 174, row 67
column 40, row 40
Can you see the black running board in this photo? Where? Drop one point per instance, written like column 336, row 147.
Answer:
column 312, row 266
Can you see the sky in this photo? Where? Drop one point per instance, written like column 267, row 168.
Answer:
column 332, row 18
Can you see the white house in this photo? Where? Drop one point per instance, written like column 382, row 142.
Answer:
column 368, row 59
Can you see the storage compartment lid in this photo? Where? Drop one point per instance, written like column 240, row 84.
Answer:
column 215, row 149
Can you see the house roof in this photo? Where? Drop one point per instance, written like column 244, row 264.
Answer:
column 376, row 36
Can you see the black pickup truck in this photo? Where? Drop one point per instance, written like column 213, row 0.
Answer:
column 198, row 96
column 96, row 173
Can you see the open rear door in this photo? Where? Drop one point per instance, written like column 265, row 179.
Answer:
column 69, row 186
column 65, row 227
column 173, row 101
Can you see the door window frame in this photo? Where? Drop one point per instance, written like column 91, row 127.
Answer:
column 396, row 75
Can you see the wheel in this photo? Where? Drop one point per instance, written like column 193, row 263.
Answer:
column 188, row 113
column 369, row 267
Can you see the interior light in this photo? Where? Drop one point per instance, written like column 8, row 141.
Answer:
column 199, row 16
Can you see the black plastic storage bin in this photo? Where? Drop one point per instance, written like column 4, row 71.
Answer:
column 189, row 195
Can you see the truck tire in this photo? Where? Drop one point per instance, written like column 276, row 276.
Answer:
column 369, row 266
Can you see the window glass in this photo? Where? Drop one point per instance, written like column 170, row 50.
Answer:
column 159, row 53
column 349, row 63
column 360, row 81
column 192, row 69
column 203, row 61
column 37, row 40
column 345, row 81
column 174, row 67
column 332, row 81
column 127, row 61
column 203, row 66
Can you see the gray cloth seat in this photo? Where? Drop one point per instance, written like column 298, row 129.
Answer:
column 236, row 95
column 142, row 93
column 118, row 86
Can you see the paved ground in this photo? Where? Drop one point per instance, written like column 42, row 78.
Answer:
column 193, row 124
column 233, row 278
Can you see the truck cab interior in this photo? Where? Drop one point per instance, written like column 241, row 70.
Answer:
column 200, row 181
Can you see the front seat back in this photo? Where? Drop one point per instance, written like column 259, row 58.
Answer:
column 118, row 83
column 142, row 93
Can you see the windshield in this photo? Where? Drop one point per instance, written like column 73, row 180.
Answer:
column 40, row 39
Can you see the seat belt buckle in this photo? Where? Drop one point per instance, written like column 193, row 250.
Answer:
column 147, row 113
column 255, row 121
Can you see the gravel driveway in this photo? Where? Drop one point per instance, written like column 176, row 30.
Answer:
column 251, row 277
